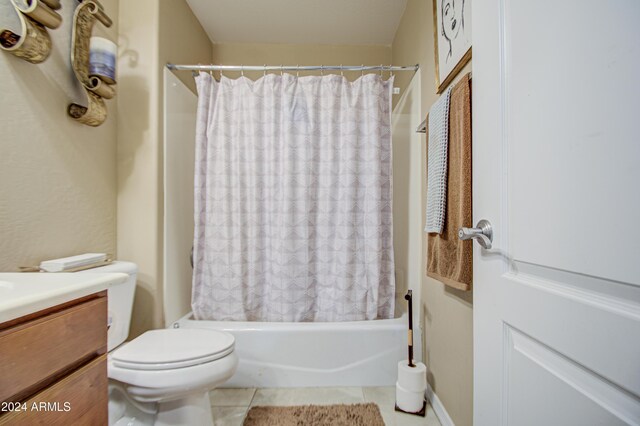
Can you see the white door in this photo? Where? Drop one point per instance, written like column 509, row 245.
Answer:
column 556, row 170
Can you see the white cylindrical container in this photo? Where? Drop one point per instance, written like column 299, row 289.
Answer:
column 102, row 59
column 411, row 386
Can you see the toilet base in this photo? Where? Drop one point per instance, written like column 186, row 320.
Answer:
column 123, row 411
column 194, row 409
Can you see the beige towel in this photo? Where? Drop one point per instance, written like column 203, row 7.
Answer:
column 449, row 259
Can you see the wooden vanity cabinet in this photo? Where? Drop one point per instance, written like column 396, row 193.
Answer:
column 53, row 365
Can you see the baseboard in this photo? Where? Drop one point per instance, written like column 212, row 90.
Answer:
column 438, row 408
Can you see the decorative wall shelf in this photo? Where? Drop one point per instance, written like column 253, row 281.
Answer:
column 34, row 45
column 85, row 16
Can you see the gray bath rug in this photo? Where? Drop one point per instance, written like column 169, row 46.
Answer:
column 316, row 415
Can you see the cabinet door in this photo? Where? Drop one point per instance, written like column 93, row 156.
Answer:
column 38, row 352
column 79, row 399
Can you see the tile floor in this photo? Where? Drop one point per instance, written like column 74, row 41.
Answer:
column 229, row 406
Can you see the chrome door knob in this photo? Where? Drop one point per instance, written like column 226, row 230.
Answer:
column 482, row 233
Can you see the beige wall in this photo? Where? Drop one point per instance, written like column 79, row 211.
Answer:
column 57, row 176
column 446, row 313
column 298, row 54
column 152, row 33
column 182, row 39
column 138, row 156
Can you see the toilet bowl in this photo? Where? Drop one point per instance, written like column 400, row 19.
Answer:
column 170, row 372
column 162, row 377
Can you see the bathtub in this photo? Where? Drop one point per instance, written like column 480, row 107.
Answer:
column 290, row 354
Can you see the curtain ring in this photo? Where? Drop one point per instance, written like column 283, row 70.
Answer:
column 381, row 69
column 390, row 71
column 281, row 70
column 221, row 74
column 321, row 69
column 264, row 69
column 341, row 70
column 242, row 70
column 361, row 70
column 297, row 70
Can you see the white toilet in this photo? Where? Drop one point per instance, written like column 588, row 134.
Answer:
column 162, row 377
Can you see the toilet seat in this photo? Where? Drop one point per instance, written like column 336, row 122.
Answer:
column 169, row 349
column 166, row 364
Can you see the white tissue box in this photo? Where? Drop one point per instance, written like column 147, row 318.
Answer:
column 66, row 263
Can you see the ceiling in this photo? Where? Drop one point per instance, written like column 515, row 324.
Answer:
column 300, row 21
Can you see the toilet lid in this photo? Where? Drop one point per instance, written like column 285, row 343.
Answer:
column 173, row 348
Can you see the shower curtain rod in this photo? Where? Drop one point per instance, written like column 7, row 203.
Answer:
column 296, row 68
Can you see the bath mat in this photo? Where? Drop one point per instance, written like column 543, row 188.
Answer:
column 316, row 415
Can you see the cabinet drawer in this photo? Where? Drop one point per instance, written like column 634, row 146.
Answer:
column 41, row 350
column 79, row 399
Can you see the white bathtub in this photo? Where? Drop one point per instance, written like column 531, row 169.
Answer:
column 358, row 353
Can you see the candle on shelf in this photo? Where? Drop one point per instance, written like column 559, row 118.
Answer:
column 102, row 59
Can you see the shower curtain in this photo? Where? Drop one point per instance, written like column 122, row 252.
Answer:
column 293, row 199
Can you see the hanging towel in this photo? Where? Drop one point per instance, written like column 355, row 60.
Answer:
column 449, row 259
column 438, row 131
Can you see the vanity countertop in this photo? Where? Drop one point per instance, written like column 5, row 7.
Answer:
column 25, row 293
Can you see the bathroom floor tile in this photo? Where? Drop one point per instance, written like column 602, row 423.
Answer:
column 394, row 418
column 232, row 397
column 228, row 416
column 385, row 397
column 304, row 396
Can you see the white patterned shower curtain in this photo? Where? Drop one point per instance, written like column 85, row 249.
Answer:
column 293, row 199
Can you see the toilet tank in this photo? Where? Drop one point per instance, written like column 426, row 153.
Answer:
column 120, row 301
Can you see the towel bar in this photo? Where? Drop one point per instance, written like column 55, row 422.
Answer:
column 422, row 128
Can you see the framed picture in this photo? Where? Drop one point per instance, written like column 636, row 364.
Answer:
column 452, row 38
